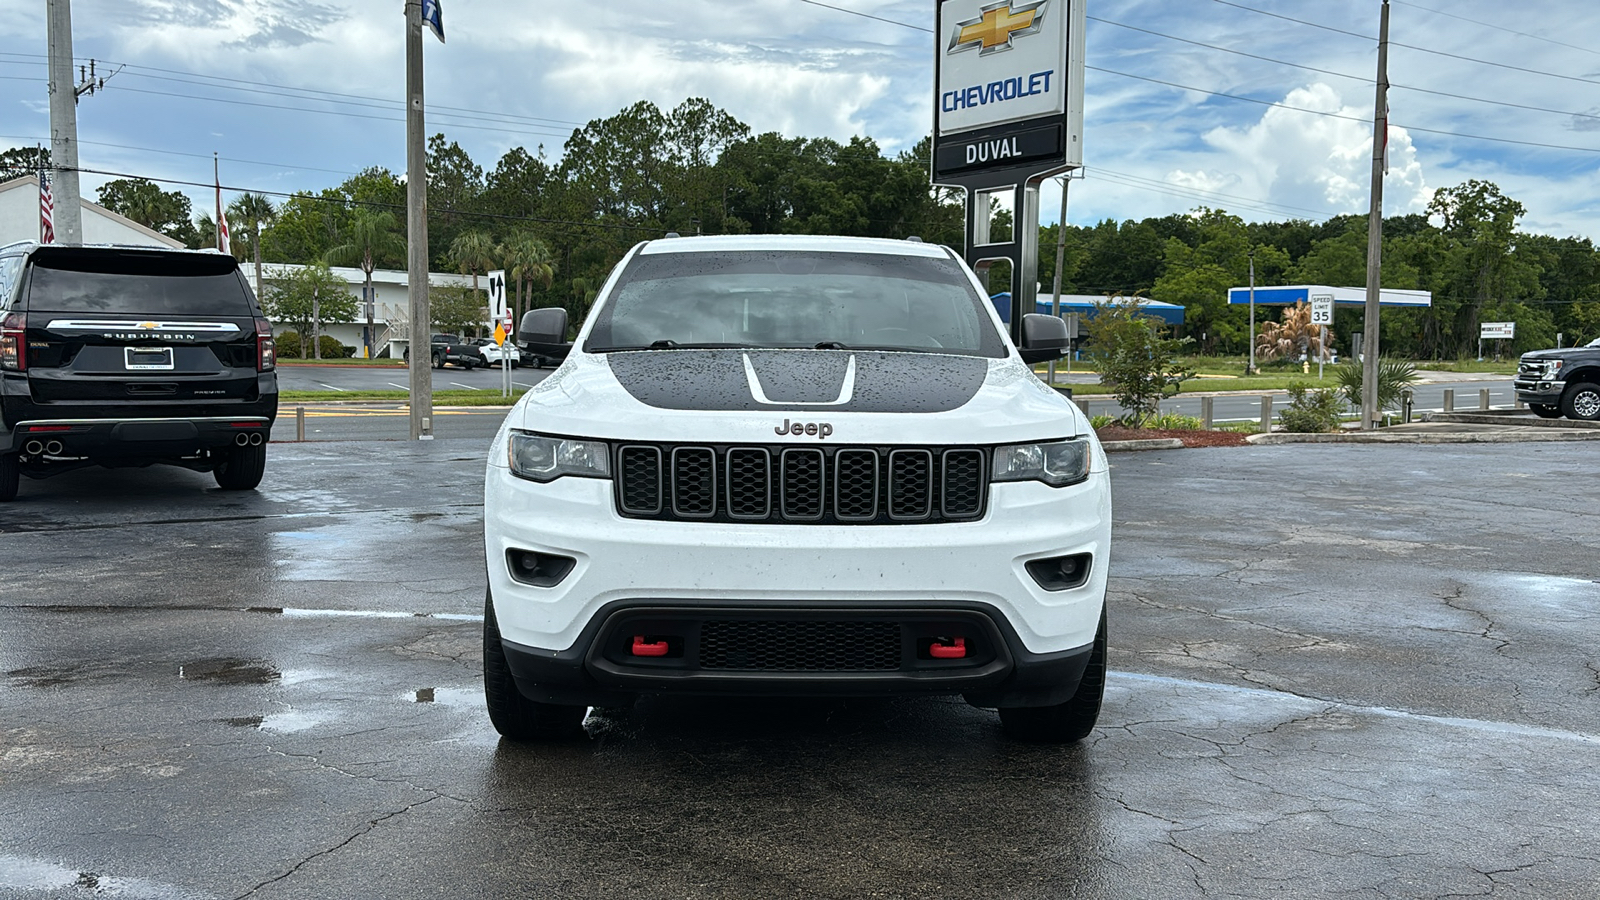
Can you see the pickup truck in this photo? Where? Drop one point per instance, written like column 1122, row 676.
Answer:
column 1562, row 382
column 450, row 348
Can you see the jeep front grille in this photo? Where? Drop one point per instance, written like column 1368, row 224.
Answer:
column 801, row 485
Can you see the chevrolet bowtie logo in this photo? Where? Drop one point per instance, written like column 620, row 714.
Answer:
column 995, row 28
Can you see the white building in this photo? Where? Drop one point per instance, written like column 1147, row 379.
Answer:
column 19, row 219
column 391, row 314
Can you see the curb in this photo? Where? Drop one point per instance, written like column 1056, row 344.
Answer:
column 1152, row 444
column 1442, row 437
column 1508, row 417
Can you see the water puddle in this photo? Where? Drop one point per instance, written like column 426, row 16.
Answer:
column 227, row 670
column 424, row 695
column 21, row 873
column 243, row 722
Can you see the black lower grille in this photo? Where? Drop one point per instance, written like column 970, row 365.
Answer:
column 802, row 485
column 802, row 646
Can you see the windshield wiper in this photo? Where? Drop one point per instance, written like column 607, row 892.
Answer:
column 672, row 345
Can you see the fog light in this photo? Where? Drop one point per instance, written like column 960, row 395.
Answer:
column 1061, row 573
column 538, row 569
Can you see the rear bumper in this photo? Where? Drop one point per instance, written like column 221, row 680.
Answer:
column 599, row 670
column 132, row 438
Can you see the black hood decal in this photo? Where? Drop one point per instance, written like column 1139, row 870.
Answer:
column 799, row 380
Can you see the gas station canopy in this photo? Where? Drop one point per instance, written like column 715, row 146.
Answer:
column 1302, row 293
column 1083, row 305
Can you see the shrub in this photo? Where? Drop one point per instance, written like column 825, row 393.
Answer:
column 1140, row 365
column 287, row 344
column 1393, row 376
column 1175, row 422
column 1101, row 421
column 1312, row 411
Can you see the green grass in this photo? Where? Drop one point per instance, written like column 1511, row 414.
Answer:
column 440, row 398
column 1488, row 366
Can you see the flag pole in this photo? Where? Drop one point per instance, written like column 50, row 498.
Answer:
column 216, row 179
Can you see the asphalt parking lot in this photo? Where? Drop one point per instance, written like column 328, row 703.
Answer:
column 1355, row 671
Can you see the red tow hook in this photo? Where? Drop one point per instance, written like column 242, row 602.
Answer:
column 956, row 649
column 644, row 647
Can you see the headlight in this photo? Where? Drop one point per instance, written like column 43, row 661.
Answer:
column 1059, row 463
column 1552, row 367
column 547, row 458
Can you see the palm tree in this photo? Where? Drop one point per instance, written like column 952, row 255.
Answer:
column 372, row 236
column 529, row 260
column 250, row 213
column 473, row 252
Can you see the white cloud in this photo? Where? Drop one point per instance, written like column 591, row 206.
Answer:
column 1299, row 159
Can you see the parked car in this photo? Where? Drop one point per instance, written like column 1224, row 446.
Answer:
column 1563, row 382
column 446, row 349
column 786, row 465
column 130, row 356
column 493, row 353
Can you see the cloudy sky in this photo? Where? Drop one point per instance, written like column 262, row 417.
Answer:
column 1261, row 107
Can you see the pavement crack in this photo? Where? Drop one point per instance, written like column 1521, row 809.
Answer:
column 371, row 824
column 1453, row 598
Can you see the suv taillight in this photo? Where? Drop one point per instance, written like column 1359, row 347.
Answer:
column 14, row 342
column 266, row 352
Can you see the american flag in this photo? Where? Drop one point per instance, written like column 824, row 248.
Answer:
column 47, row 211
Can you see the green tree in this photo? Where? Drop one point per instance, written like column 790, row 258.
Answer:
column 1481, row 266
column 370, row 239
column 249, row 214
column 473, row 253
column 1132, row 356
column 456, row 310
column 150, row 206
column 20, row 162
column 1198, row 278
column 528, row 261
column 308, row 297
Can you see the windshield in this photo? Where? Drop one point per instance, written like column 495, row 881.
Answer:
column 138, row 284
column 795, row 299
column 1593, row 343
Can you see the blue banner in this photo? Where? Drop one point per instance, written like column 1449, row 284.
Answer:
column 433, row 17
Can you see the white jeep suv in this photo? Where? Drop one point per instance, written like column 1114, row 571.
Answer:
column 796, row 466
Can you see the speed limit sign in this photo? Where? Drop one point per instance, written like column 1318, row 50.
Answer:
column 1322, row 309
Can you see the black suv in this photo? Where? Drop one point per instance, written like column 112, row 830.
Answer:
column 1561, row 382
column 129, row 356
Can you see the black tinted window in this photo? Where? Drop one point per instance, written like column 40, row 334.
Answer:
column 144, row 284
column 796, row 299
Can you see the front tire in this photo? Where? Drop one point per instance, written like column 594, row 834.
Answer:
column 241, row 468
column 1545, row 412
column 515, row 716
column 10, row 469
column 1582, row 401
column 1066, row 722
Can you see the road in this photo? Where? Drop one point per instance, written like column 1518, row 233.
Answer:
column 1377, row 682
column 337, row 379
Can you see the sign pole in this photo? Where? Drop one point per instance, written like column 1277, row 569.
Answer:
column 421, row 380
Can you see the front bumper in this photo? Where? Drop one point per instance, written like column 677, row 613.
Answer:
column 1543, row 392
column 599, row 671
column 978, row 565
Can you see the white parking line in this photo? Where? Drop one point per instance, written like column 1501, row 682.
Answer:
column 331, row 387
column 467, row 386
column 400, row 386
column 520, row 384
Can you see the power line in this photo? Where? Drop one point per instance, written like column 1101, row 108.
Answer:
column 868, row 16
column 1164, row 184
column 1498, row 27
column 1474, row 137
column 305, row 195
column 1359, row 78
column 1365, row 37
column 249, row 162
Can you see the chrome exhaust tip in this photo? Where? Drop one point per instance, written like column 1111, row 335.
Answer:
column 33, row 448
column 53, row 448
column 256, row 439
column 241, row 439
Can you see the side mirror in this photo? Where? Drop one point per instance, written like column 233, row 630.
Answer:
column 1044, row 338
column 544, row 332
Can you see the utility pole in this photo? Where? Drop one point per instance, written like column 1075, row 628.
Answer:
column 1061, row 253
column 63, row 124
column 1250, row 367
column 421, row 370
column 1380, row 143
